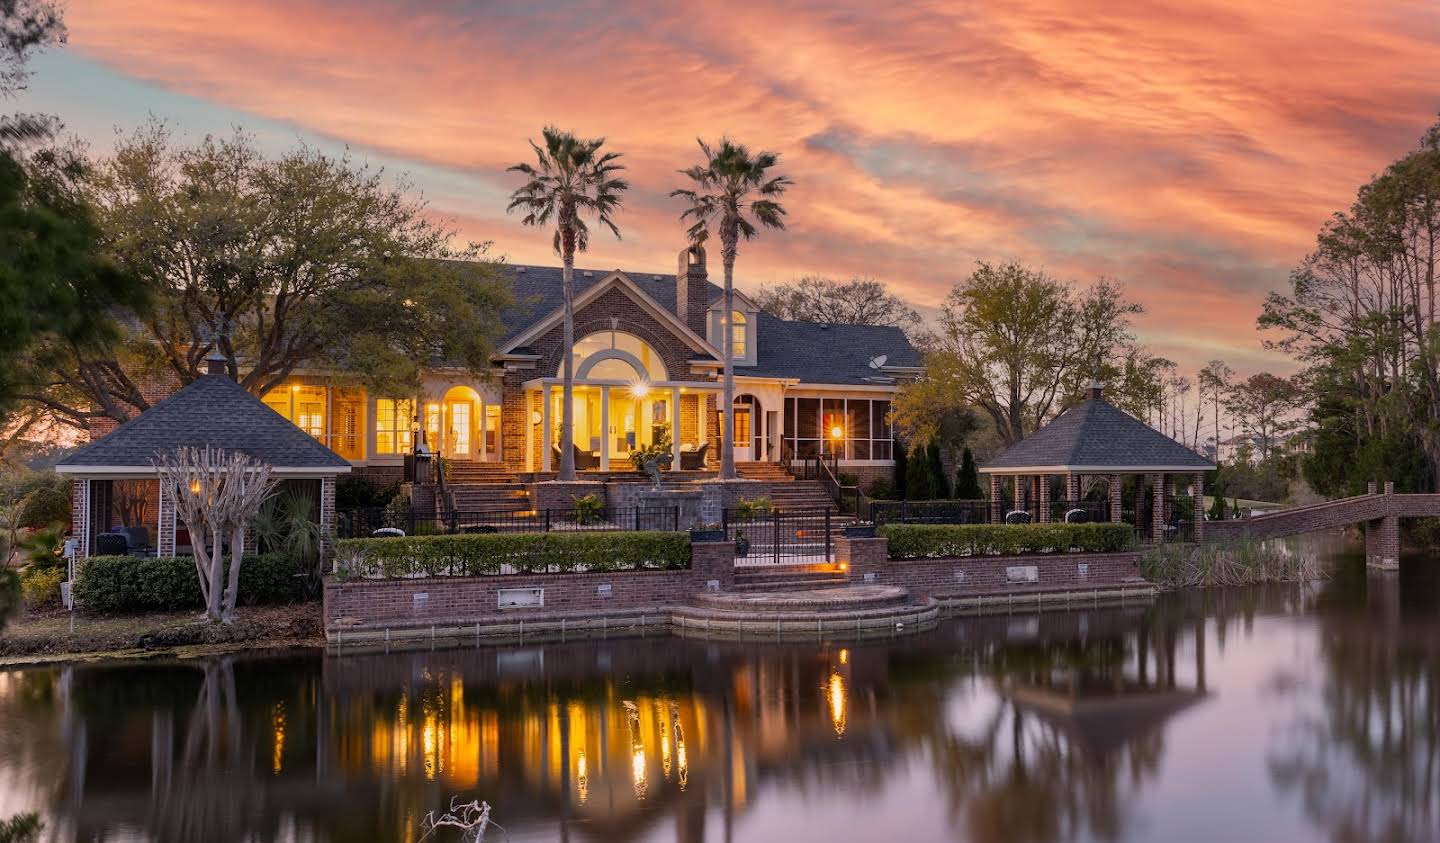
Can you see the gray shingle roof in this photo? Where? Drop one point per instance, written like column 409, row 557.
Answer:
column 808, row 351
column 216, row 411
column 1097, row 434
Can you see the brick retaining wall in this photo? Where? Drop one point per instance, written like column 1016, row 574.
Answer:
column 971, row 575
column 366, row 603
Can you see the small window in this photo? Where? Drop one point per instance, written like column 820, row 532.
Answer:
column 738, row 345
column 392, row 425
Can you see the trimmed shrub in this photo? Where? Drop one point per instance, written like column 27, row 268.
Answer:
column 41, row 587
column 47, row 504
column 485, row 554
column 168, row 583
column 938, row 541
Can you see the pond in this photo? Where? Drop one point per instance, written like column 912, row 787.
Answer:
column 1277, row 713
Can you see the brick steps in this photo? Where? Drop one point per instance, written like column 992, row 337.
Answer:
column 490, row 497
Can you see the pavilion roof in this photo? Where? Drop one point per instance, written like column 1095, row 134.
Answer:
column 215, row 411
column 1098, row 437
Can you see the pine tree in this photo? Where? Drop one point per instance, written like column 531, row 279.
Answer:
column 939, row 480
column 901, row 469
column 967, row 479
column 1217, row 492
column 919, row 482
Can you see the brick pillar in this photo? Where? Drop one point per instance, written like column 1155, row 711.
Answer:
column 165, row 540
column 327, row 519
column 714, row 562
column 1043, row 499
column 1389, row 487
column 1371, row 488
column 1197, row 491
column 1072, row 487
column 1157, row 509
column 80, row 516
column 864, row 559
column 995, row 513
column 1116, row 510
column 1382, row 543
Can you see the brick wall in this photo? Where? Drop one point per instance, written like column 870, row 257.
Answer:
column 981, row 574
column 460, row 600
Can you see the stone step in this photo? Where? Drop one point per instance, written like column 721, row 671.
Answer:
column 855, row 599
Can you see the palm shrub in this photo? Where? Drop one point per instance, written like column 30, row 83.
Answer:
column 289, row 524
column 571, row 176
column 587, row 509
column 728, row 190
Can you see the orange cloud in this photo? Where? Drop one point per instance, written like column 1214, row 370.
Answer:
column 1189, row 149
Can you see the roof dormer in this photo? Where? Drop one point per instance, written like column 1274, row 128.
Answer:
column 739, row 330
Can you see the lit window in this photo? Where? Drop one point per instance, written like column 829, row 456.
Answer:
column 617, row 346
column 737, row 334
column 392, row 425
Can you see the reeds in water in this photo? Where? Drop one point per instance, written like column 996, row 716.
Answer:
column 1241, row 562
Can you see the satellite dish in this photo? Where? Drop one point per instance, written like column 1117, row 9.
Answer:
column 877, row 362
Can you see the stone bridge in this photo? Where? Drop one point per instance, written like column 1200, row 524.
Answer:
column 1379, row 513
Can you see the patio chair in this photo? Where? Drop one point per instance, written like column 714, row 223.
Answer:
column 137, row 540
column 387, row 533
column 1017, row 516
column 694, row 460
column 1077, row 516
column 112, row 544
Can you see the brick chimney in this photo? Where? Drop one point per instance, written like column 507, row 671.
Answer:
column 692, row 289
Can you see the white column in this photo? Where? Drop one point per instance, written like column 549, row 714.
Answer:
column 604, row 428
column 480, row 430
column 674, row 428
column 545, row 427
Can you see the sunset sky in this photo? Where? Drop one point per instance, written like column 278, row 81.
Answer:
column 1189, row 149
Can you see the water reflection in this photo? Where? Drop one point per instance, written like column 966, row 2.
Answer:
column 1015, row 728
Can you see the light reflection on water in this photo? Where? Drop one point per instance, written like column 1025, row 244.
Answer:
column 1281, row 713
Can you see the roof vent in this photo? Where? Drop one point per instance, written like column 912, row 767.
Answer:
column 588, row 274
column 1096, row 390
column 215, row 363
column 519, row 269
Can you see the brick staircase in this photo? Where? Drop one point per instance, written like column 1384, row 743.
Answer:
column 485, row 487
column 790, row 578
column 769, row 472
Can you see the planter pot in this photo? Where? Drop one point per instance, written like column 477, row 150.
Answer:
column 742, row 547
column 697, row 536
column 860, row 531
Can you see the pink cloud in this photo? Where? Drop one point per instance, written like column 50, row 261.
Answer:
column 1189, row 149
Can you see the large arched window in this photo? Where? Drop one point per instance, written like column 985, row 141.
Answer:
column 616, row 355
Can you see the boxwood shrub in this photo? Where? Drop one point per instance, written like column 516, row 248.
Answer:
column 936, row 541
column 135, row 584
column 488, row 554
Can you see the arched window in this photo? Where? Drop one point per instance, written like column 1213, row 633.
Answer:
column 737, row 333
column 616, row 355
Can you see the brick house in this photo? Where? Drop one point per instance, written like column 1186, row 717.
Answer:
column 647, row 365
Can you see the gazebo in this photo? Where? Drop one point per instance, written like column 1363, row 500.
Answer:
column 115, row 488
column 1095, row 441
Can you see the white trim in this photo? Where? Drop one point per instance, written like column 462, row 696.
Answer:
column 621, row 280
column 1096, row 469
column 801, row 388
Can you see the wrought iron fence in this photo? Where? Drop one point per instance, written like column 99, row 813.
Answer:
column 789, row 537
column 360, row 523
column 930, row 512
column 1080, row 512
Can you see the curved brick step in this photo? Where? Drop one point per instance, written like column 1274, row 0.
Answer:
column 873, row 622
column 805, row 601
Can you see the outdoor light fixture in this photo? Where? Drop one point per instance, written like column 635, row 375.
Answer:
column 195, row 487
column 837, row 432
column 640, row 389
column 294, row 387
column 534, row 416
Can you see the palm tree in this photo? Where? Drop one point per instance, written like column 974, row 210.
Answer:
column 729, row 184
column 571, row 176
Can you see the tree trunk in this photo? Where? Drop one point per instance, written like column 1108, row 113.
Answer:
column 232, row 589
column 217, row 578
column 567, row 364
column 727, row 407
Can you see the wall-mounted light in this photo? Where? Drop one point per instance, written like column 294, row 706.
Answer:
column 640, row 389
column 837, row 432
column 534, row 416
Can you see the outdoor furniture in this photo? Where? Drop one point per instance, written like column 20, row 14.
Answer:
column 387, row 533
column 694, row 460
column 476, row 529
column 1018, row 516
column 1077, row 516
column 112, row 544
column 584, row 460
column 137, row 540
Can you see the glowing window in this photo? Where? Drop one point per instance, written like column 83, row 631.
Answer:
column 392, row 425
column 604, row 349
column 737, row 333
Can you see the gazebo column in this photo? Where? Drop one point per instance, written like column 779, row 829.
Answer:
column 1072, row 488
column 165, row 526
column 1157, row 510
column 1116, row 510
column 327, row 518
column 995, row 513
column 1042, row 483
column 1197, row 492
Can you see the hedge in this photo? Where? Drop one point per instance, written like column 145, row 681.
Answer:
column 484, row 554
column 133, row 583
column 935, row 541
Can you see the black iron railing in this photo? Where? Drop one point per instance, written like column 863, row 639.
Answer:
column 781, row 537
column 360, row 523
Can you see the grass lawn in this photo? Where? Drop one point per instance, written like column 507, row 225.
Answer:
column 56, row 634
